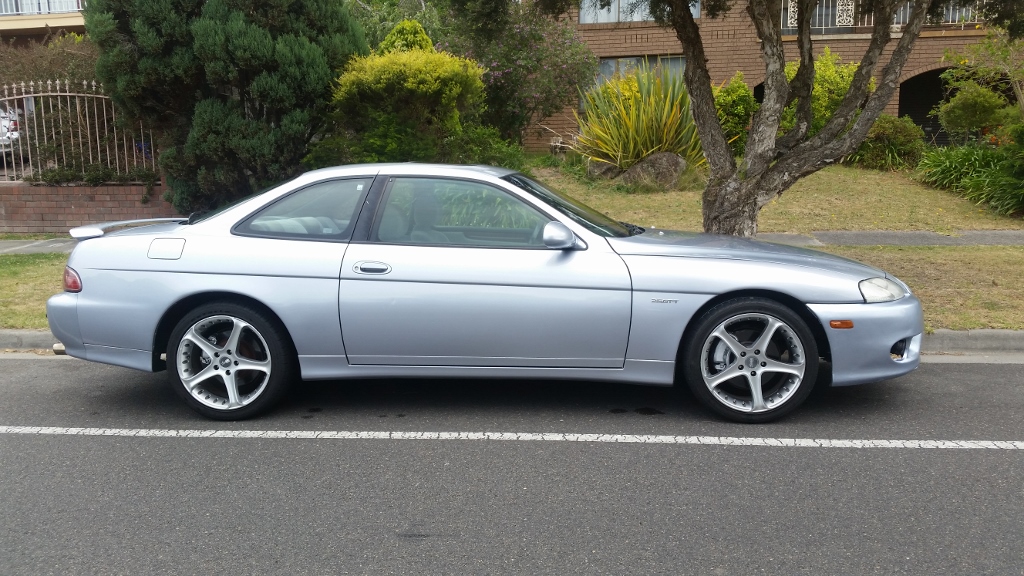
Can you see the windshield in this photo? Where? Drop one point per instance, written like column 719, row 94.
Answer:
column 580, row 213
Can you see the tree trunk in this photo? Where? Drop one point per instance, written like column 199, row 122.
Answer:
column 730, row 207
column 735, row 193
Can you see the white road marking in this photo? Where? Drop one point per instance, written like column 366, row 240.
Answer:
column 517, row 437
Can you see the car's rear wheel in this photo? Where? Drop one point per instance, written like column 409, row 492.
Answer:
column 228, row 361
column 750, row 359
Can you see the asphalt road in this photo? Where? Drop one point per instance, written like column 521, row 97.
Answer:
column 98, row 504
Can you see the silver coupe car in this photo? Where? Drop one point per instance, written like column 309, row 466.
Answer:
column 412, row 270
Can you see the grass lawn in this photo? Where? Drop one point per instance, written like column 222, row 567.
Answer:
column 960, row 287
column 836, row 198
column 26, row 281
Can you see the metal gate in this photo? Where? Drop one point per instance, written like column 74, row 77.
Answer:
column 55, row 130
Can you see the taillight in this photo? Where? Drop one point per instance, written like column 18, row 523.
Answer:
column 72, row 281
column 14, row 126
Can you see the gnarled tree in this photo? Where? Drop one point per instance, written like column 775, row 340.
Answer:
column 774, row 161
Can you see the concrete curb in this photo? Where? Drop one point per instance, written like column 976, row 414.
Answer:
column 26, row 339
column 941, row 341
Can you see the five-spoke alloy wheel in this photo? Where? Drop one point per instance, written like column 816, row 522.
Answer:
column 751, row 359
column 228, row 362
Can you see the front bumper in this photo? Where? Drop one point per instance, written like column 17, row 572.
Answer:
column 865, row 353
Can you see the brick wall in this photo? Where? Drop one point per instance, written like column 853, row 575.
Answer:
column 36, row 209
column 731, row 45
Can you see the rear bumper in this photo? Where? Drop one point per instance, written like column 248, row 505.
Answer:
column 864, row 353
column 62, row 315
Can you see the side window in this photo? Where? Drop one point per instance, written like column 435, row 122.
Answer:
column 325, row 210
column 442, row 212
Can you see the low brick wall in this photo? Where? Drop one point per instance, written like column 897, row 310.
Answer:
column 34, row 209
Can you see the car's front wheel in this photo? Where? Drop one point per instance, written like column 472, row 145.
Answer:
column 751, row 359
column 228, row 361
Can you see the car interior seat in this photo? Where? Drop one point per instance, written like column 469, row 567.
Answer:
column 426, row 211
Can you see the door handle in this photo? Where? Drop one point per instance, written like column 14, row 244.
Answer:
column 366, row 267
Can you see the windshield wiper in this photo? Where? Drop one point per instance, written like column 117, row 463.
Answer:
column 633, row 229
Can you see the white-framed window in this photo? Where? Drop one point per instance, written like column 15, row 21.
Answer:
column 609, row 67
column 619, row 11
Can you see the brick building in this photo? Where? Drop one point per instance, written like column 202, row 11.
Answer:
column 621, row 39
column 23, row 20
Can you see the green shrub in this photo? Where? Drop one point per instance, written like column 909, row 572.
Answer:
column 95, row 175
column 832, row 81
column 736, row 106
column 407, row 35
column 400, row 106
column 1002, row 188
column 630, row 117
column 999, row 189
column 532, row 63
column 892, row 144
column 477, row 144
column 987, row 176
column 69, row 56
column 949, row 167
column 973, row 110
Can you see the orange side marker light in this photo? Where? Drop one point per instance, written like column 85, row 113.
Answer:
column 841, row 324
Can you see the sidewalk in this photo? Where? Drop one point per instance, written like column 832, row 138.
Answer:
column 889, row 238
column 37, row 246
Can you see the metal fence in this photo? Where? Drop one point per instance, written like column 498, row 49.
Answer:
column 70, row 127
column 844, row 16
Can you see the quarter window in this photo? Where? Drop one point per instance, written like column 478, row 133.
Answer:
column 325, row 210
column 442, row 212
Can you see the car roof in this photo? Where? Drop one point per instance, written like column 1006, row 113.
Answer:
column 402, row 168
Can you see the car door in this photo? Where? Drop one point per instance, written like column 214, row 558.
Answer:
column 455, row 273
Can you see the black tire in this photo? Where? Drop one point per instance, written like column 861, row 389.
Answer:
column 202, row 360
column 785, row 369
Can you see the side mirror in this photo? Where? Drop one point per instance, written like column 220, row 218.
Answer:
column 557, row 236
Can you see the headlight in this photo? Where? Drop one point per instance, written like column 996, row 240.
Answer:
column 881, row 290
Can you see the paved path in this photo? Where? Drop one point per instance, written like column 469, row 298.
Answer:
column 890, row 238
column 37, row 246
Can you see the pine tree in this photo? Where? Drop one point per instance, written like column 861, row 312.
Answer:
column 236, row 89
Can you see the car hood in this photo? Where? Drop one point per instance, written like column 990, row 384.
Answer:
column 693, row 245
